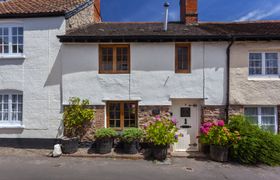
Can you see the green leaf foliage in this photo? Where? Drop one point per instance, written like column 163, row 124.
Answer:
column 132, row 134
column 162, row 132
column 104, row 133
column 76, row 115
column 256, row 145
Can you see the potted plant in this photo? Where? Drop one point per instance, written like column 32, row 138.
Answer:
column 75, row 116
column 161, row 134
column 104, row 140
column 130, row 139
column 219, row 137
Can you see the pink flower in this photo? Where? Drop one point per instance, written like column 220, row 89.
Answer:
column 158, row 118
column 221, row 123
column 145, row 126
column 208, row 124
column 215, row 123
column 174, row 120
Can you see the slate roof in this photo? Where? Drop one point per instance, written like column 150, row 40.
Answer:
column 33, row 8
column 153, row 31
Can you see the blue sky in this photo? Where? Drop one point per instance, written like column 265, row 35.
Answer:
column 209, row 10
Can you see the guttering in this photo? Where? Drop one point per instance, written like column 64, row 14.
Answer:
column 162, row 38
column 228, row 78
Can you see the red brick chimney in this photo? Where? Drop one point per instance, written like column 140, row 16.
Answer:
column 97, row 11
column 188, row 11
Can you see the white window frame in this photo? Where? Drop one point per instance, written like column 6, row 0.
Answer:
column 260, row 115
column 264, row 75
column 11, row 54
column 10, row 122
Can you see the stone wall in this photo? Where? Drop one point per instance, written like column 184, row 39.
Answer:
column 83, row 17
column 96, row 123
column 211, row 113
column 236, row 110
column 146, row 113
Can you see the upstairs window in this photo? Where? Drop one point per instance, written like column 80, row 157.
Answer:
column 265, row 63
column 10, row 108
column 183, row 58
column 114, row 59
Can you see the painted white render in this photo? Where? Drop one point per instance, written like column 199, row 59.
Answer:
column 38, row 76
column 152, row 79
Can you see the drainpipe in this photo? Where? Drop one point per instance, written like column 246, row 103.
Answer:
column 228, row 78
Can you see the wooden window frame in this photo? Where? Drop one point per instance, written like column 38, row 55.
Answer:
column 114, row 46
column 121, row 114
column 189, row 58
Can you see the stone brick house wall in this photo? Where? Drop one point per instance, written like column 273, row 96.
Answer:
column 90, row 14
column 211, row 113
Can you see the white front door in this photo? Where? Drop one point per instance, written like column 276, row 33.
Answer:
column 188, row 124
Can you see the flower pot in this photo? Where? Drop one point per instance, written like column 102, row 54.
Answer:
column 159, row 152
column 130, row 147
column 69, row 145
column 104, row 146
column 219, row 153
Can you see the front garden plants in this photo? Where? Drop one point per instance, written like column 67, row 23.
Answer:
column 104, row 140
column 76, row 116
column 161, row 134
column 130, row 139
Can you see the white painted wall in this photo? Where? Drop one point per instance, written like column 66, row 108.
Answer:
column 152, row 78
column 38, row 76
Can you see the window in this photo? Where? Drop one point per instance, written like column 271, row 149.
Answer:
column 263, row 64
column 265, row 117
column 10, row 109
column 183, row 58
column 114, row 59
column 11, row 40
column 122, row 114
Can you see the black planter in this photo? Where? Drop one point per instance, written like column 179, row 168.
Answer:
column 69, row 145
column 219, row 153
column 130, row 147
column 104, row 146
column 159, row 152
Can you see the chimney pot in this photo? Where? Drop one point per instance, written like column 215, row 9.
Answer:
column 188, row 11
column 96, row 11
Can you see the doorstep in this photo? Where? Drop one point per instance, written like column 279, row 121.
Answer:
column 84, row 153
column 189, row 155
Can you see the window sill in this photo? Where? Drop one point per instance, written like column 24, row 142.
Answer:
column 264, row 78
column 12, row 57
column 12, row 126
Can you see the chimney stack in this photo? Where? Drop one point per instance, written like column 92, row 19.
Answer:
column 166, row 6
column 188, row 11
column 96, row 11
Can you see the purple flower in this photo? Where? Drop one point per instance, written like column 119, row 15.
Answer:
column 174, row 120
column 145, row 126
column 176, row 137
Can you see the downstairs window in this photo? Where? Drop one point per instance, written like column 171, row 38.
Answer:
column 11, row 109
column 265, row 117
column 122, row 115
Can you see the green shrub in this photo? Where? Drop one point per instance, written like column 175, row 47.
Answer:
column 75, row 116
column 255, row 145
column 132, row 134
column 104, row 133
column 162, row 132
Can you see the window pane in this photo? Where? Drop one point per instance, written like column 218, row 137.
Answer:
column 122, row 59
column 271, row 63
column 252, row 114
column 182, row 53
column 6, row 31
column 270, row 128
column 107, row 59
column 268, row 120
column 114, row 115
column 20, row 31
column 255, row 63
column 130, row 110
column 14, row 31
column 267, row 111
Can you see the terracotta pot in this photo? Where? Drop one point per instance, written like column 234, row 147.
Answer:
column 219, row 153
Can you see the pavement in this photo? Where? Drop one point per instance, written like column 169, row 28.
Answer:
column 31, row 165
